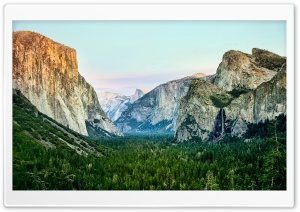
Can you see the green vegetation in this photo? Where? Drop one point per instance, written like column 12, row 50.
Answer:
column 269, row 60
column 35, row 126
column 267, row 128
column 236, row 92
column 221, row 100
column 144, row 162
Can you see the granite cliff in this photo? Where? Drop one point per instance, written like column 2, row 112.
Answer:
column 46, row 72
column 156, row 111
column 139, row 93
column 241, row 70
column 114, row 104
column 246, row 89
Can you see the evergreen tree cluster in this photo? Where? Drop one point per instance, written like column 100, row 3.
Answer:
column 149, row 162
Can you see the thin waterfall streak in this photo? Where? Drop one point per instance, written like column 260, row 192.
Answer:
column 222, row 120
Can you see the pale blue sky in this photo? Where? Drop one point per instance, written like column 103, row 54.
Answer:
column 119, row 56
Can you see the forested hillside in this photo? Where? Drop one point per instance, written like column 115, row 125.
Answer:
column 49, row 156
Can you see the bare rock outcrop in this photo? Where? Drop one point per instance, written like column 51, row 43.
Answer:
column 156, row 111
column 236, row 97
column 46, row 72
column 241, row 70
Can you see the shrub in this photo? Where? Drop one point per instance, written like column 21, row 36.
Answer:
column 236, row 92
column 220, row 100
column 272, row 63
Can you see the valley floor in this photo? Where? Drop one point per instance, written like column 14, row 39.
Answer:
column 153, row 163
column 49, row 156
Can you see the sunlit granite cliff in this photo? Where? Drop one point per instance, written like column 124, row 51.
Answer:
column 46, row 72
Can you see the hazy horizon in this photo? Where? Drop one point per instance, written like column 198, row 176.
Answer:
column 120, row 56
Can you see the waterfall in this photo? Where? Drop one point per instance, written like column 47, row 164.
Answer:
column 222, row 120
column 222, row 125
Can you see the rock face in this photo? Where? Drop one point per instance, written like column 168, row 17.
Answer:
column 267, row 101
column 114, row 104
column 197, row 112
column 209, row 111
column 240, row 70
column 138, row 94
column 157, row 111
column 46, row 73
column 222, row 126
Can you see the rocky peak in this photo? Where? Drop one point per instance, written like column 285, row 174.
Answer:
column 157, row 111
column 268, row 59
column 46, row 72
column 207, row 111
column 139, row 92
column 195, row 76
column 234, row 60
column 241, row 70
column 36, row 45
column 198, row 75
column 113, row 104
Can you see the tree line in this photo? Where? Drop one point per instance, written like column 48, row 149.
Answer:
column 256, row 161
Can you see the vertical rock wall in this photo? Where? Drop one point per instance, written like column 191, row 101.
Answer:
column 46, row 72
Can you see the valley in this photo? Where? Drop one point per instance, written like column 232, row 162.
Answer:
column 225, row 131
column 44, row 159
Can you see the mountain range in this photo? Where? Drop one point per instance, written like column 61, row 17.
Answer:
column 225, row 131
column 114, row 104
column 245, row 89
column 157, row 111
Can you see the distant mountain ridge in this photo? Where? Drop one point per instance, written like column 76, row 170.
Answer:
column 139, row 92
column 246, row 89
column 157, row 111
column 114, row 104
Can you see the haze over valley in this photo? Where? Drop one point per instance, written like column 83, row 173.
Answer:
column 188, row 130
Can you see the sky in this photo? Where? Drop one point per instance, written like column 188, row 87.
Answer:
column 120, row 56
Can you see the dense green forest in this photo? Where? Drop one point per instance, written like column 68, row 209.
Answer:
column 48, row 156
